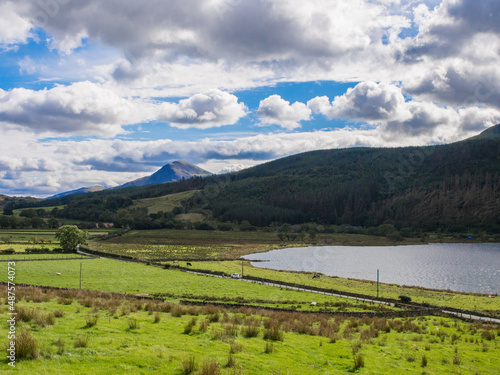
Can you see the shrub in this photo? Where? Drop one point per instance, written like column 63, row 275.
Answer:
column 26, row 346
column 58, row 313
column 189, row 365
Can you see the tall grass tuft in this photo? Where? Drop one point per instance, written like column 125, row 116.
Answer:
column 359, row 362
column 91, row 321
column 189, row 365
column 210, row 368
column 26, row 346
column 81, row 342
column 274, row 333
column 269, row 348
column 157, row 317
column 188, row 328
column 132, row 323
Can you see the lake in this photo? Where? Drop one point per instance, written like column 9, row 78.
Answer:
column 460, row 267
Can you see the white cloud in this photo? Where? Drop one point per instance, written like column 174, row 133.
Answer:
column 90, row 109
column 14, row 29
column 385, row 105
column 275, row 110
column 202, row 111
column 81, row 108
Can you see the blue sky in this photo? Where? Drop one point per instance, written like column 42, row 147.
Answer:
column 105, row 92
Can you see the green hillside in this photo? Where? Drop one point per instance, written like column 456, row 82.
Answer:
column 454, row 187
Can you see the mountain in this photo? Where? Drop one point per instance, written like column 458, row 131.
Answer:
column 83, row 190
column 171, row 172
column 490, row 133
column 453, row 187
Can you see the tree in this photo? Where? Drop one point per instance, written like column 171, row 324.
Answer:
column 69, row 236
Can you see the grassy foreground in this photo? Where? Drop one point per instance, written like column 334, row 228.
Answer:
column 77, row 332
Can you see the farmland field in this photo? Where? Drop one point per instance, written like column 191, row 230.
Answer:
column 440, row 298
column 133, row 278
column 91, row 333
column 199, row 244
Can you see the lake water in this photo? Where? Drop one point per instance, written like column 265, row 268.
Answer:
column 461, row 267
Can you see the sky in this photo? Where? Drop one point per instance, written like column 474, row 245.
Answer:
column 104, row 92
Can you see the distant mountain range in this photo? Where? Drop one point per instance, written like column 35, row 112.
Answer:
column 171, row 172
column 83, row 190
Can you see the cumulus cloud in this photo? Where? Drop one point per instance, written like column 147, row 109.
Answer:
column 367, row 101
column 275, row 110
column 206, row 110
column 90, row 109
column 81, row 108
column 385, row 105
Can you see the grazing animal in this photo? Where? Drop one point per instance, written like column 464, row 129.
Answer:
column 57, row 273
column 316, row 276
column 188, row 264
column 176, row 261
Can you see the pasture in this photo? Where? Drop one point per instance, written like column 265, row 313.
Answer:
column 96, row 333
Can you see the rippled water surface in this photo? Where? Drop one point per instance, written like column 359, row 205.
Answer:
column 460, row 267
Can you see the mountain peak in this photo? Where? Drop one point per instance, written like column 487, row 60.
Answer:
column 174, row 171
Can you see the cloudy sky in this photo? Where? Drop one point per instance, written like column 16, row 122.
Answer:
column 103, row 92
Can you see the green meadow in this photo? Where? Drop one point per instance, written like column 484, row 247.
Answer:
column 135, row 278
column 78, row 332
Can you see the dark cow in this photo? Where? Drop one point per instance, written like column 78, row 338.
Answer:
column 188, row 264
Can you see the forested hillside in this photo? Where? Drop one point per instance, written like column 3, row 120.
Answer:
column 454, row 187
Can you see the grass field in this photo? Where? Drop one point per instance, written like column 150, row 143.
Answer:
column 88, row 333
column 165, row 203
column 8, row 257
column 440, row 298
column 133, row 278
column 198, row 244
